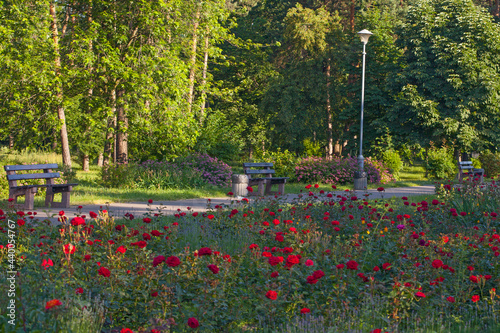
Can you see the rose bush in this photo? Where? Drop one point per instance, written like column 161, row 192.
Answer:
column 263, row 266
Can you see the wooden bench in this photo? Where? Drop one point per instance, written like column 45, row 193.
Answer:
column 466, row 168
column 29, row 190
column 267, row 180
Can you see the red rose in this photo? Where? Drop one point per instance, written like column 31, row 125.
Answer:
column 126, row 330
column 20, row 222
column 210, row 216
column 451, row 299
column 437, row 263
column 158, row 260
column 173, row 261
column 150, row 201
column 275, row 274
column 305, row 310
column 353, row 265
column 69, row 249
column 475, row 298
column 386, row 266
column 193, row 323
column 121, row 249
column 271, row 294
column 420, row 294
column 318, row 274
column 292, row 260
column 205, row 251
column 93, row 215
column 340, row 266
column 311, row 280
column 249, row 189
column 140, row 244
column 273, row 261
column 213, row 268
column 52, row 303
column 104, row 272
column 473, row 278
column 195, row 214
column 76, row 221
column 156, row 233
column 146, row 220
column 87, row 257
column 79, row 290
column 376, row 269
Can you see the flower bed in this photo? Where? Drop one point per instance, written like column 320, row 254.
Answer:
column 344, row 263
column 340, row 170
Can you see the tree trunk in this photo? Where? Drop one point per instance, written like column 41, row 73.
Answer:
column 192, row 61
column 109, row 142
column 100, row 160
column 351, row 18
column 204, row 79
column 86, row 162
column 121, row 130
column 11, row 141
column 59, row 92
column 329, row 154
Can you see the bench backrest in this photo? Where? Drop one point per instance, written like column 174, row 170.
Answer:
column 465, row 165
column 266, row 171
column 47, row 173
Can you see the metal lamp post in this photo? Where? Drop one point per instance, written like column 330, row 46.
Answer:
column 360, row 177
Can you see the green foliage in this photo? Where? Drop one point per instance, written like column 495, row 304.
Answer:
column 392, row 160
column 440, row 163
column 284, row 162
column 490, row 162
column 312, row 148
column 446, row 86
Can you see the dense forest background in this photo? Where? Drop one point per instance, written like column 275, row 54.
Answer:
column 108, row 81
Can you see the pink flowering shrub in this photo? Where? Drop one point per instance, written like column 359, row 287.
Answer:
column 340, row 170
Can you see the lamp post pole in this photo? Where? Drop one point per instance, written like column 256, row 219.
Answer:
column 361, row 159
column 360, row 177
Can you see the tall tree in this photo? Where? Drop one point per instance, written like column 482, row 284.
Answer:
column 447, row 89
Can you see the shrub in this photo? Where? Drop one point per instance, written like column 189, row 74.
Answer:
column 393, row 162
column 490, row 163
column 441, row 164
column 284, row 162
column 339, row 170
column 193, row 171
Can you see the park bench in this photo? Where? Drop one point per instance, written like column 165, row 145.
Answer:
column 466, row 168
column 29, row 190
column 266, row 181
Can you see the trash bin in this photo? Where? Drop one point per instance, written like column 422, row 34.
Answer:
column 239, row 185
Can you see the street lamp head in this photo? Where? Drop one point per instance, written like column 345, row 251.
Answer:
column 364, row 35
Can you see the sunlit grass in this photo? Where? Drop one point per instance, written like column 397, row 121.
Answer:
column 91, row 191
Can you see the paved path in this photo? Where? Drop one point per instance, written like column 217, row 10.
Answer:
column 200, row 205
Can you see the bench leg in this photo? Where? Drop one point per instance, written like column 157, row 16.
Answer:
column 64, row 201
column 29, row 197
column 49, row 197
column 260, row 188
column 281, row 188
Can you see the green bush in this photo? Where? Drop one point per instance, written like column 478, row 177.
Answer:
column 490, row 163
column 393, row 162
column 284, row 162
column 441, row 164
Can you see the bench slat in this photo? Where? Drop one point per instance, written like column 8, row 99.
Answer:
column 30, row 167
column 34, row 176
column 257, row 165
column 44, row 185
column 256, row 172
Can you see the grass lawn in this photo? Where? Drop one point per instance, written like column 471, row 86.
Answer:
column 91, row 191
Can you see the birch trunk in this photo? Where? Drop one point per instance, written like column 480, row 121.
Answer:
column 59, row 93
